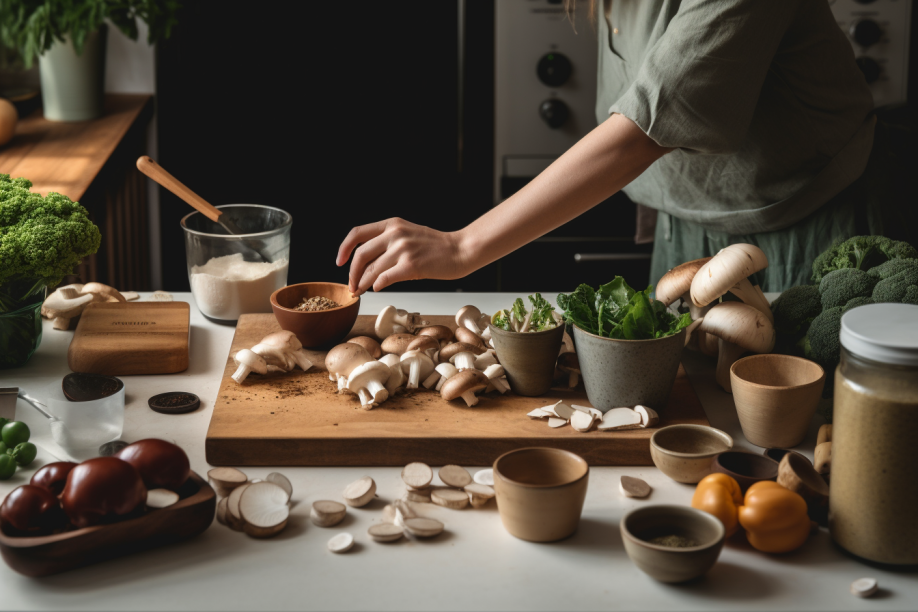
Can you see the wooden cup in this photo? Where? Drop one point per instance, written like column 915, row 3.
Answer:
column 776, row 397
column 540, row 492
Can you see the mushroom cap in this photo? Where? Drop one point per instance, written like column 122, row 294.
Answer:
column 397, row 343
column 283, row 339
column 451, row 350
column 495, row 370
column 468, row 312
column 105, row 293
column 385, row 322
column 740, row 324
column 447, row 369
column 467, row 380
column 488, row 357
column 427, row 364
column 251, row 360
column 678, row 281
column 370, row 344
column 466, row 335
column 390, row 359
column 569, row 362
column 730, row 266
column 363, row 374
column 439, row 332
column 424, row 344
column 59, row 305
column 342, row 359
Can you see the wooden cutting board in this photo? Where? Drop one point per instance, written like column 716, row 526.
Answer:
column 121, row 339
column 298, row 418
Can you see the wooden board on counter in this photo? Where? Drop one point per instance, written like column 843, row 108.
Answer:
column 298, row 418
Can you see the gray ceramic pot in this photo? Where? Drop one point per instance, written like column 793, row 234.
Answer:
column 73, row 86
column 625, row 373
column 528, row 358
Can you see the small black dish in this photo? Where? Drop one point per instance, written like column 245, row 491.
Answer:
column 174, row 402
column 87, row 387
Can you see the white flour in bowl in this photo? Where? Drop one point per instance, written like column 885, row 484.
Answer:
column 226, row 287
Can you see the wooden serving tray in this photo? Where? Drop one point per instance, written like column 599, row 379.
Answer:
column 121, row 339
column 46, row 555
column 298, row 418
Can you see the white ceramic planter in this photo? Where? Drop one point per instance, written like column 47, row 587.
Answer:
column 73, row 86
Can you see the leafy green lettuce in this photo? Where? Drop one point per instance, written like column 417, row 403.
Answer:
column 615, row 310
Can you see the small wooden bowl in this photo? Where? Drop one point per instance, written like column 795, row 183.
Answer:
column 776, row 397
column 320, row 328
column 684, row 452
column 778, row 453
column 795, row 472
column 666, row 563
column 746, row 468
column 46, row 555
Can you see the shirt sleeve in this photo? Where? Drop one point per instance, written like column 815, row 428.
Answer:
column 699, row 83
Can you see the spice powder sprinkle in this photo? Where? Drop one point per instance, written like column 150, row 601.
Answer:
column 316, row 303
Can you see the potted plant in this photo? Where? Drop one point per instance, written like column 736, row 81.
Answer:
column 68, row 37
column 41, row 240
column 628, row 344
column 527, row 344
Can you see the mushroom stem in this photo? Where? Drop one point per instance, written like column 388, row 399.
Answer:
column 573, row 380
column 465, row 361
column 332, row 376
column 414, row 373
column 470, row 398
column 440, row 382
column 431, row 380
column 365, row 400
column 342, row 384
column 377, row 390
column 62, row 323
column 727, row 354
column 752, row 295
column 241, row 372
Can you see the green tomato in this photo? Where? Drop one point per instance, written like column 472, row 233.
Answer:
column 7, row 467
column 3, row 422
column 4, row 449
column 24, row 453
column 15, row 432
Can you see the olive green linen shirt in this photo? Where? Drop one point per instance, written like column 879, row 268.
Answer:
column 768, row 114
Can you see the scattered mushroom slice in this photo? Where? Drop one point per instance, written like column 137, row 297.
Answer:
column 619, row 419
column 63, row 305
column 864, row 587
column 282, row 481
column 388, row 514
column 160, row 296
column 327, row 513
column 555, row 423
column 418, row 497
column 225, row 479
column 649, row 416
column 497, row 377
column 728, row 271
column 424, row 527
column 161, row 498
column 582, row 421
column 441, row 333
column 446, row 371
column 570, row 365
column 385, row 532
column 418, row 365
column 634, row 487
column 367, row 381
column 469, row 337
column 233, row 517
column 479, row 494
column 397, row 378
column 740, row 328
column 468, row 317
column 454, row 476
column 417, row 475
column 484, row 477
column 372, row 346
column 344, row 359
column 248, row 362
column 560, row 410
column 461, row 355
column 540, row 413
column 221, row 511
column 403, row 511
column 130, row 296
column 464, row 384
column 450, row 498
column 341, row 543
column 397, row 344
column 360, row 492
column 263, row 507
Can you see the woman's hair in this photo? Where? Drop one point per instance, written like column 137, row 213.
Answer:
column 570, row 6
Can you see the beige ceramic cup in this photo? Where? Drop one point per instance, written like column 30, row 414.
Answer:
column 540, row 492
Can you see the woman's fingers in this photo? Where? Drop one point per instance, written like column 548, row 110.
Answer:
column 401, row 271
column 364, row 256
column 373, row 269
column 357, row 236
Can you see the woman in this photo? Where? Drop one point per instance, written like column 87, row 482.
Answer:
column 738, row 120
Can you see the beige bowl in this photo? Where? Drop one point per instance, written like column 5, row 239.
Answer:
column 776, row 397
column 666, row 563
column 540, row 492
column 684, row 452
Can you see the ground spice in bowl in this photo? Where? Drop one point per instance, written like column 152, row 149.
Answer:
column 317, row 303
column 673, row 541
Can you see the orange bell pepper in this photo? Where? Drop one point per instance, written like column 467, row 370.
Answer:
column 720, row 495
column 774, row 518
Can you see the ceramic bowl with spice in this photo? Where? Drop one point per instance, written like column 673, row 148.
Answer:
column 684, row 452
column 320, row 314
column 672, row 543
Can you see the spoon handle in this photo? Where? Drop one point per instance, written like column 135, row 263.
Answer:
column 156, row 172
column 37, row 405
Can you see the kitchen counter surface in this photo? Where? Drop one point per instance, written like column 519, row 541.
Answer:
column 474, row 565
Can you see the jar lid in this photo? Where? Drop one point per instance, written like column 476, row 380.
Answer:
column 887, row 333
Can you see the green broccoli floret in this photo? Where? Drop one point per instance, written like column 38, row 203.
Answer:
column 894, row 288
column 839, row 286
column 41, row 238
column 794, row 310
column 858, row 301
column 822, row 344
column 911, row 295
column 892, row 267
column 862, row 253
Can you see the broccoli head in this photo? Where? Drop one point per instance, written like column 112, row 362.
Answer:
column 911, row 295
column 822, row 344
column 795, row 309
column 894, row 288
column 858, row 301
column 892, row 267
column 838, row 287
column 41, row 238
column 862, row 253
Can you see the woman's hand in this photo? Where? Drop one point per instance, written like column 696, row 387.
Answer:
column 395, row 250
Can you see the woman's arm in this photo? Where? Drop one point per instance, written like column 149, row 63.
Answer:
column 604, row 161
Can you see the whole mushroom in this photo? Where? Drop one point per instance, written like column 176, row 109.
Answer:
column 739, row 328
column 368, row 382
column 464, row 385
column 418, row 365
column 368, row 343
column 65, row 304
column 291, row 347
column 440, row 333
column 392, row 320
column 468, row 317
column 397, row 377
column 728, row 271
column 248, row 362
column 343, row 359
column 445, row 372
column 397, row 344
column 460, row 354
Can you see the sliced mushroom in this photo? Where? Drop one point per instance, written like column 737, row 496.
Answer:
column 634, row 487
column 479, row 494
column 248, row 362
column 464, row 384
column 282, row 481
column 327, row 513
column 423, row 527
column 728, row 271
column 582, row 421
column 225, row 479
column 417, row 475
column 649, row 416
column 102, row 293
column 368, row 382
column 740, row 328
column 385, row 532
column 454, row 476
column 619, row 419
column 360, row 492
column 485, row 477
column 450, row 498
column 341, row 543
column 161, row 498
column 263, row 507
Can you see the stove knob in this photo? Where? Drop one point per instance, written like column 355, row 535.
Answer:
column 869, row 67
column 554, row 112
column 554, row 69
column 866, row 32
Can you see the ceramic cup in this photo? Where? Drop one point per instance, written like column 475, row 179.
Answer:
column 540, row 492
column 684, row 452
column 776, row 397
column 528, row 358
column 620, row 373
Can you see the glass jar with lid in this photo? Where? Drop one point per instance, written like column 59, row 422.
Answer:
column 874, row 473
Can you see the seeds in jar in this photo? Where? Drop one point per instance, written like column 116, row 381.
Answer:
column 316, row 303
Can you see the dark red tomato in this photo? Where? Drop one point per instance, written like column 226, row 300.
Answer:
column 53, row 476
column 102, row 489
column 32, row 510
column 162, row 465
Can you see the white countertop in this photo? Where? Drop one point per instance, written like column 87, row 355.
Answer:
column 474, row 565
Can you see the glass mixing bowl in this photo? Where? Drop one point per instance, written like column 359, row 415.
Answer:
column 232, row 275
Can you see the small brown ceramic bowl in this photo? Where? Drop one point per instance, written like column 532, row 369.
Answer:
column 684, row 452
column 746, row 468
column 540, row 492
column 322, row 327
column 670, row 563
column 778, row 453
